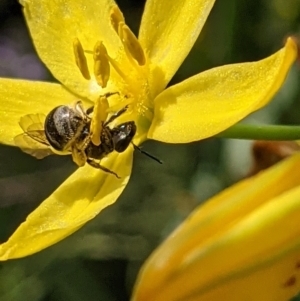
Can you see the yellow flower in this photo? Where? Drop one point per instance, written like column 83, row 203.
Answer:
column 243, row 244
column 109, row 58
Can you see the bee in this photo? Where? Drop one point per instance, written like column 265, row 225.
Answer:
column 66, row 130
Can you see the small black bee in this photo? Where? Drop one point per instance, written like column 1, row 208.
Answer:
column 67, row 130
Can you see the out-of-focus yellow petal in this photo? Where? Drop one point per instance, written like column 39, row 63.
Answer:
column 20, row 97
column 168, row 31
column 248, row 232
column 212, row 101
column 53, row 27
column 277, row 280
column 79, row 199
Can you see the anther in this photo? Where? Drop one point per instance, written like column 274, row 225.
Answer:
column 99, row 117
column 116, row 17
column 131, row 44
column 80, row 59
column 101, row 64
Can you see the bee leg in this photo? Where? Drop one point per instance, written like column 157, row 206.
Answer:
column 82, row 145
column 90, row 110
column 98, row 166
column 116, row 115
column 78, row 156
column 108, row 94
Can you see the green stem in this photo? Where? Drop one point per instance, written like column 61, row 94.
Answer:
column 262, row 132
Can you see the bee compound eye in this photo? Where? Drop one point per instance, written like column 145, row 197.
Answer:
column 123, row 135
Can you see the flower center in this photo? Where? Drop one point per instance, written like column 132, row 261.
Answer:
column 128, row 76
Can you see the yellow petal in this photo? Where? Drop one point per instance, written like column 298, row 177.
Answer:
column 168, row 31
column 79, row 199
column 53, row 27
column 20, row 97
column 241, row 245
column 212, row 101
column 276, row 281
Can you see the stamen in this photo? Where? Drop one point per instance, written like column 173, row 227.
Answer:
column 125, row 101
column 117, row 68
column 99, row 117
column 116, row 17
column 101, row 64
column 80, row 59
column 131, row 44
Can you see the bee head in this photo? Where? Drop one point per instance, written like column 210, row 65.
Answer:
column 122, row 135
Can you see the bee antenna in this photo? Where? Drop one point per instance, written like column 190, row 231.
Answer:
column 147, row 154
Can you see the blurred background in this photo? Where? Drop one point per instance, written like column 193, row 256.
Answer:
column 101, row 261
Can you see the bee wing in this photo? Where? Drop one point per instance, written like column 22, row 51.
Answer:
column 33, row 122
column 33, row 141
